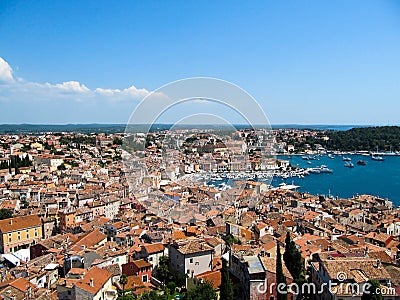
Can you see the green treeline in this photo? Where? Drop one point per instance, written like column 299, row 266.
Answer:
column 384, row 138
column 89, row 140
column 16, row 162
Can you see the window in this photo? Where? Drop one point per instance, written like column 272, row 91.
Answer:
column 144, row 278
column 188, row 271
column 197, row 263
column 191, row 260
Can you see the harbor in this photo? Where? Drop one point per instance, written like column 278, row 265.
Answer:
column 338, row 175
column 366, row 176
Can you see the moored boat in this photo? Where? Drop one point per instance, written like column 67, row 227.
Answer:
column 377, row 158
column 315, row 170
column 325, row 169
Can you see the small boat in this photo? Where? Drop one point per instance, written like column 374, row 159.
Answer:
column 309, row 162
column 349, row 164
column 331, row 156
column 361, row 162
column 377, row 158
column 325, row 169
column 346, row 158
column 304, row 157
column 315, row 170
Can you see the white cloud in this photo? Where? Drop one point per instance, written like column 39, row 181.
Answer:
column 20, row 90
column 108, row 92
column 128, row 92
column 5, row 71
column 74, row 86
column 135, row 92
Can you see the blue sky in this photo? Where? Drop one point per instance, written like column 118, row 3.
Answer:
column 305, row 62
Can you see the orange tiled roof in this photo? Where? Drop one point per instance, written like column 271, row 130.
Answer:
column 21, row 284
column 99, row 276
column 154, row 248
column 141, row 263
column 214, row 277
column 91, row 239
column 178, row 234
column 19, row 223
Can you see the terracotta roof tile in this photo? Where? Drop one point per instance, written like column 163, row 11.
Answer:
column 194, row 247
column 153, row 248
column 19, row 223
column 214, row 277
column 141, row 263
column 91, row 239
column 99, row 276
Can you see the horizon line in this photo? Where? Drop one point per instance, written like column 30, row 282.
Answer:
column 204, row 124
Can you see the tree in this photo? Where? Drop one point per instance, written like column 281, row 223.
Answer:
column 24, row 202
column 293, row 260
column 230, row 240
column 163, row 273
column 280, row 277
column 204, row 291
column 117, row 141
column 171, row 287
column 123, row 280
column 226, row 287
column 5, row 214
column 372, row 291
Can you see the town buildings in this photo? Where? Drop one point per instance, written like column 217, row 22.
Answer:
column 81, row 217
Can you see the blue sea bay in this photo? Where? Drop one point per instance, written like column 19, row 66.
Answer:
column 379, row 178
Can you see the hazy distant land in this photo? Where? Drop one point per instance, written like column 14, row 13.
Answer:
column 114, row 128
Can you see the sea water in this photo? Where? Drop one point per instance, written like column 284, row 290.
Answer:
column 379, row 178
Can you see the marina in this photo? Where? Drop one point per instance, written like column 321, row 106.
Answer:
column 328, row 175
column 367, row 176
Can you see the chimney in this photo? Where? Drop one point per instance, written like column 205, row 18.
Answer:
column 91, row 282
column 378, row 263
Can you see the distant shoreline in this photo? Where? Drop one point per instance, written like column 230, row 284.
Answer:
column 115, row 128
